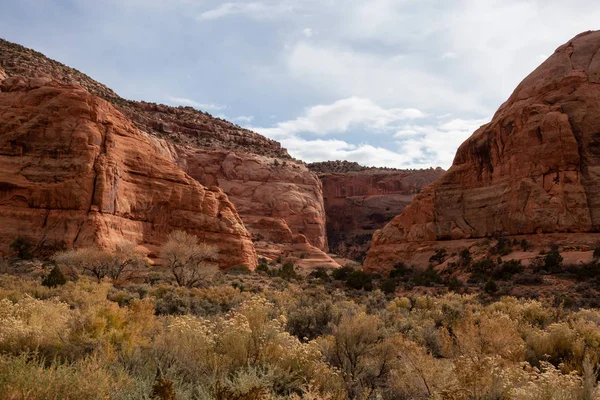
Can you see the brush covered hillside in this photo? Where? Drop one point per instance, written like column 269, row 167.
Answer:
column 278, row 199
column 276, row 335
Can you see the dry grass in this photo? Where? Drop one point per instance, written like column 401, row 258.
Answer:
column 285, row 340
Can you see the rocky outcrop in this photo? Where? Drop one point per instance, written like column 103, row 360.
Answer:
column 265, row 184
column 74, row 172
column 358, row 202
column 277, row 200
column 184, row 125
column 535, row 168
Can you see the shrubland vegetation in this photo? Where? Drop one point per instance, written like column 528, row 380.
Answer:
column 143, row 333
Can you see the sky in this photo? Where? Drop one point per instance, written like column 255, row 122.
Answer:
column 388, row 83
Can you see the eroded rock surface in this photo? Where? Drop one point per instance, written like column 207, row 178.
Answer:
column 535, row 168
column 276, row 200
column 74, row 171
column 274, row 194
column 360, row 201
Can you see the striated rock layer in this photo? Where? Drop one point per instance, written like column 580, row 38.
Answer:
column 535, row 168
column 74, row 172
column 359, row 202
column 267, row 193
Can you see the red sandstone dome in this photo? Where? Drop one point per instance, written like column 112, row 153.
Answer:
column 535, row 168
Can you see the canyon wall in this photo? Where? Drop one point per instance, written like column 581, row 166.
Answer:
column 74, row 172
column 267, row 186
column 535, row 168
column 360, row 200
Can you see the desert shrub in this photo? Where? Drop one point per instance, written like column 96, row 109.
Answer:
column 163, row 388
column 296, row 340
column 311, row 315
column 490, row 287
column 321, row 274
column 558, row 344
column 359, row 349
column 481, row 270
column 553, row 260
column 507, row 269
column 23, row 247
column 454, row 284
column 503, row 247
column 205, row 302
column 528, row 279
column 428, row 277
column 287, row 271
column 400, row 271
column 341, row 274
column 465, row 257
column 55, row 278
column 584, row 271
column 30, row 324
column 439, row 256
column 596, row 253
column 525, row 245
column 360, row 280
column 263, row 268
column 118, row 263
column 388, row 286
column 190, row 262
column 238, row 270
column 243, row 342
column 29, row 377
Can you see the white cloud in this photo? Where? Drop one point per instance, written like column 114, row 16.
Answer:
column 449, row 55
column 307, row 32
column 342, row 115
column 413, row 141
column 181, row 101
column 364, row 154
column 244, row 119
column 255, row 9
column 345, row 72
column 435, row 143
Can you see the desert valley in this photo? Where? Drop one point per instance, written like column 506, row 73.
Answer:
column 156, row 251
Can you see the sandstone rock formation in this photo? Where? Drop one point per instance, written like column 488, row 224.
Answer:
column 180, row 124
column 273, row 198
column 360, row 200
column 213, row 151
column 74, row 171
column 535, row 168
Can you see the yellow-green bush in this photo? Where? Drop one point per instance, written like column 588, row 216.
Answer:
column 93, row 340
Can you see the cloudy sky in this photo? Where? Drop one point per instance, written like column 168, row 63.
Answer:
column 397, row 83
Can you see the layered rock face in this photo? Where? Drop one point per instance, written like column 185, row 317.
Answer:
column 276, row 199
column 273, row 198
column 360, row 200
column 535, row 168
column 183, row 125
column 74, row 171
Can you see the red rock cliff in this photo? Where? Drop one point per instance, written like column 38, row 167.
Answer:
column 534, row 168
column 276, row 199
column 75, row 171
column 211, row 150
column 358, row 202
